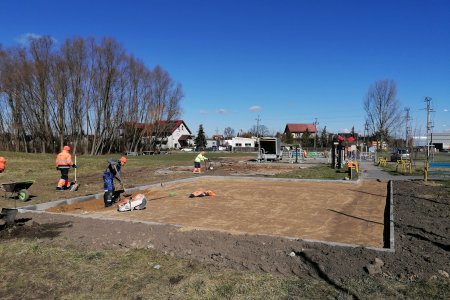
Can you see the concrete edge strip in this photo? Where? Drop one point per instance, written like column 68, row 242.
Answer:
column 283, row 179
column 47, row 205
column 308, row 241
column 391, row 216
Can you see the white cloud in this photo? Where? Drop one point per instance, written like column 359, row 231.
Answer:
column 445, row 109
column 222, row 111
column 255, row 108
column 25, row 38
column 345, row 130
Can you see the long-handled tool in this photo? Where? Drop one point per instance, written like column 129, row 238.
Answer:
column 122, row 190
column 74, row 187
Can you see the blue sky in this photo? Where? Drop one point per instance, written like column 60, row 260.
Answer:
column 284, row 61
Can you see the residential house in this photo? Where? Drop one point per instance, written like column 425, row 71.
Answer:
column 297, row 130
column 167, row 134
column 175, row 134
column 211, row 143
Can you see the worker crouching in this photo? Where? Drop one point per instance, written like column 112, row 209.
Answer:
column 114, row 170
column 63, row 164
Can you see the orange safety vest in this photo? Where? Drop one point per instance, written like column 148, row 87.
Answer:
column 202, row 194
column 64, row 159
column 2, row 164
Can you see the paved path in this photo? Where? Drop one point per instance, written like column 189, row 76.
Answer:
column 369, row 171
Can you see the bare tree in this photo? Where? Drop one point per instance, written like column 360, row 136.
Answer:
column 382, row 109
column 260, row 130
column 83, row 93
column 228, row 132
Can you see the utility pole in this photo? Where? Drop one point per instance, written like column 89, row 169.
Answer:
column 429, row 126
column 315, row 136
column 366, row 133
column 408, row 127
column 257, row 125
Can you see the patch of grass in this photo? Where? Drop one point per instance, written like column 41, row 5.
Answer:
column 317, row 172
column 389, row 288
column 41, row 168
column 34, row 270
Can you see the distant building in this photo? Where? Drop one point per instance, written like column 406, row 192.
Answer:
column 217, row 137
column 211, row 143
column 177, row 134
column 297, row 130
column 168, row 134
column 441, row 140
column 240, row 143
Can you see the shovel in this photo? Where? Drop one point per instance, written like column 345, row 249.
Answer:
column 122, row 191
column 74, row 187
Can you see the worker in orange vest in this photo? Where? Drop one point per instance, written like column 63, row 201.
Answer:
column 2, row 164
column 63, row 164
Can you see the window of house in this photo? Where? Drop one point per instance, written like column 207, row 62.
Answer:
column 238, row 145
column 248, row 145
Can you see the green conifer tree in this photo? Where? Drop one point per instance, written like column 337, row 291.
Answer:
column 200, row 140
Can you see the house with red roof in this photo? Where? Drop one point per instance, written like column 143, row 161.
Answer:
column 172, row 134
column 297, row 130
column 175, row 133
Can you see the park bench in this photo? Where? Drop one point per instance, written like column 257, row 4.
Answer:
column 131, row 153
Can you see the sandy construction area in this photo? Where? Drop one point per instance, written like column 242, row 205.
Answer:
column 326, row 211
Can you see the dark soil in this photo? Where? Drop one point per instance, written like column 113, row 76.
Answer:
column 422, row 243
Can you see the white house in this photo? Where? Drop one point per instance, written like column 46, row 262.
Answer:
column 211, row 143
column 176, row 134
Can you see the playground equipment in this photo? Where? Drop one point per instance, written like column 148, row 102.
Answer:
column 441, row 169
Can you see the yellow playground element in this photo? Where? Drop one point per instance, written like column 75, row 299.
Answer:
column 404, row 165
column 382, row 161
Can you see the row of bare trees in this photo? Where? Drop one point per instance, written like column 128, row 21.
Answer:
column 81, row 93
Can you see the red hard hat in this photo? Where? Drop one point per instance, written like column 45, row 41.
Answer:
column 66, row 148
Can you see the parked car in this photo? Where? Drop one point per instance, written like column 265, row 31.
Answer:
column 400, row 154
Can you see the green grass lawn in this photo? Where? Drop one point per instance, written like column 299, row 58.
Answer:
column 35, row 270
column 316, row 172
column 139, row 170
column 31, row 270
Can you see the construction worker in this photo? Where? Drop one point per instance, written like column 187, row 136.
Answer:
column 198, row 160
column 2, row 164
column 63, row 164
column 114, row 170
